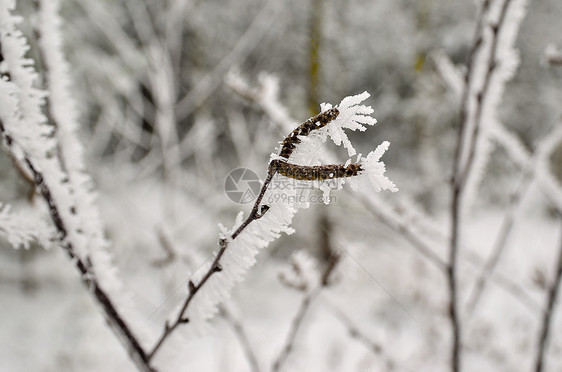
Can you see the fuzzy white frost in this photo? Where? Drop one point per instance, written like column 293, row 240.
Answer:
column 373, row 172
column 285, row 197
column 352, row 116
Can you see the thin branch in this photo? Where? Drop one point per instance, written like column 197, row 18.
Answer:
column 255, row 32
column 303, row 311
column 461, row 170
column 257, row 212
column 482, row 95
column 468, row 80
column 404, row 230
column 507, row 284
column 356, row 334
column 500, row 243
column 295, row 327
column 215, row 267
column 373, row 346
column 548, row 314
column 451, row 281
column 242, row 338
column 389, row 217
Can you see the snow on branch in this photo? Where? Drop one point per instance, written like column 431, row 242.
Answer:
column 493, row 64
column 64, row 117
column 21, row 229
column 53, row 156
column 297, row 163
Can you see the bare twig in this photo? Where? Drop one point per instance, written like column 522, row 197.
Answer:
column 546, row 324
column 242, row 338
column 355, row 333
column 530, row 174
column 303, row 311
column 499, row 244
column 245, row 44
column 404, row 230
column 452, row 284
column 362, row 338
column 295, row 327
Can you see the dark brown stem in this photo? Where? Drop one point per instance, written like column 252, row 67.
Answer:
column 257, row 212
column 452, row 283
column 314, row 123
column 215, row 267
column 461, row 169
column 117, row 323
column 316, row 172
column 84, row 266
column 477, row 43
column 548, row 314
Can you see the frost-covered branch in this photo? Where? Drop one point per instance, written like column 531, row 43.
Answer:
column 492, row 61
column 419, row 230
column 536, row 168
column 85, row 268
column 265, row 97
column 52, row 155
column 296, row 159
column 245, row 44
column 214, row 268
column 523, row 158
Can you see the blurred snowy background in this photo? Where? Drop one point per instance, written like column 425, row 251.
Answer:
column 173, row 95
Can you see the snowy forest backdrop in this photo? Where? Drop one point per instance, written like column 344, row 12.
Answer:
column 140, row 109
